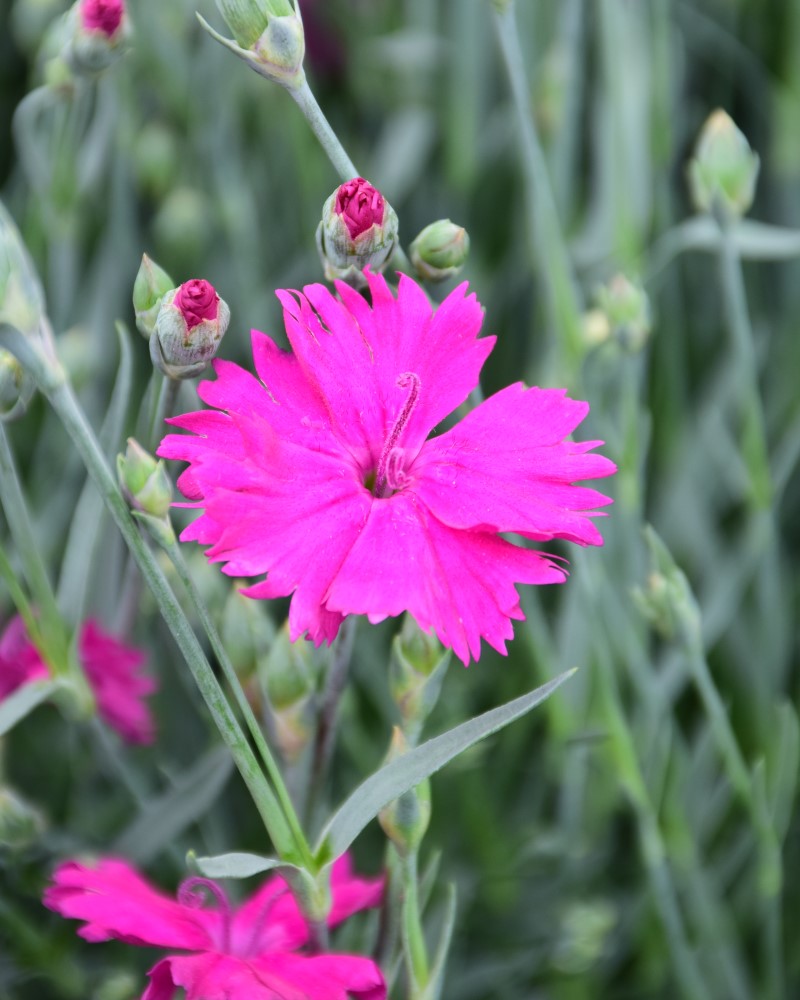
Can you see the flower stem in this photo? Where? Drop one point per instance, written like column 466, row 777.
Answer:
column 174, row 552
column 544, row 227
column 321, row 128
column 16, row 511
column 413, row 937
column 52, row 381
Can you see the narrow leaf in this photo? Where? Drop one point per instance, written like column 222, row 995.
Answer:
column 406, row 772
column 236, row 865
column 166, row 817
column 433, row 990
column 23, row 701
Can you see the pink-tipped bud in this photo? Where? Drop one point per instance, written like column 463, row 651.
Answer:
column 197, row 300
column 360, row 205
column 358, row 229
column 102, row 15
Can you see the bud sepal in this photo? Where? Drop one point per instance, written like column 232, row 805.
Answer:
column 151, row 285
column 440, row 250
column 191, row 322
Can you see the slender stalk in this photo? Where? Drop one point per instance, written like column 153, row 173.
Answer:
column 165, row 404
column 544, row 227
column 305, row 100
column 754, row 437
column 52, row 381
column 416, row 953
column 175, row 554
column 19, row 522
column 21, row 602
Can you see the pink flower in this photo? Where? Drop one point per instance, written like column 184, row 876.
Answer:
column 112, row 669
column 319, row 471
column 360, row 205
column 246, row 954
column 20, row 662
column 102, row 15
column 197, row 300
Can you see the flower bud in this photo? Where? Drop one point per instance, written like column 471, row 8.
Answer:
column 16, row 387
column 151, row 285
column 358, row 229
column 405, row 820
column 627, row 310
column 99, row 33
column 440, row 250
column 724, row 169
column 666, row 600
column 20, row 822
column 21, row 296
column 247, row 632
column 416, row 671
column 144, row 481
column 268, row 36
column 289, row 675
column 190, row 324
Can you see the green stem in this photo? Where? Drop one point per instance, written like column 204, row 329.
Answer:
column 18, row 597
column 174, row 552
column 16, row 511
column 544, row 227
column 51, row 379
column 165, row 404
column 321, row 128
column 754, row 436
column 414, row 939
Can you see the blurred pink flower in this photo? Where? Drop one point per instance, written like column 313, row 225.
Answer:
column 250, row 953
column 319, row 471
column 112, row 669
column 102, row 15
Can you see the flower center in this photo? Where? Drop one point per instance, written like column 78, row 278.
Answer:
column 194, row 892
column 389, row 475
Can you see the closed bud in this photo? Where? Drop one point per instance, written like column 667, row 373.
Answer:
column 666, row 600
column 151, row 285
column 596, row 328
column 16, row 387
column 405, row 820
column 440, row 250
column 20, row 822
column 289, row 677
column 416, row 672
column 190, row 324
column 21, row 296
column 98, row 37
column 268, row 35
column 358, row 230
column 144, row 481
column 247, row 632
column 724, row 169
column 626, row 308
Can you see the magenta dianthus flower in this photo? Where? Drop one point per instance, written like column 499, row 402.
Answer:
column 251, row 953
column 104, row 16
column 320, row 472
column 112, row 669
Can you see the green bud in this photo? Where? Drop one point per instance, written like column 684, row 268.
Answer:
column 627, row 311
column 21, row 296
column 247, row 632
column 156, row 159
column 144, row 481
column 405, row 820
column 724, row 169
column 16, row 387
column 358, row 229
column 118, row 986
column 268, row 35
column 596, row 328
column 666, row 600
column 584, row 936
column 20, row 822
column 190, row 325
column 289, row 677
column 440, row 250
column 151, row 285
column 416, row 672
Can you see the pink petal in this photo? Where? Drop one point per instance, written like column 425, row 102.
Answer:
column 114, row 672
column 507, row 466
column 322, row 977
column 115, row 902
column 20, row 662
column 459, row 583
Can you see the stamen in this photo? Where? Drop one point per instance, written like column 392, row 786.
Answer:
column 192, row 892
column 408, row 380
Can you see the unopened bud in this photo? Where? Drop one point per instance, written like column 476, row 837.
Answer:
column 724, row 169
column 16, row 387
column 358, row 230
column 289, row 676
column 99, row 33
column 21, row 296
column 268, row 35
column 151, row 285
column 156, row 159
column 144, row 481
column 666, row 600
column 440, row 250
column 405, row 820
column 247, row 633
column 416, row 671
column 20, row 822
column 596, row 328
column 190, row 324
column 626, row 308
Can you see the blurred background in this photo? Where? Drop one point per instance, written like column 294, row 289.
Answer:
column 637, row 836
